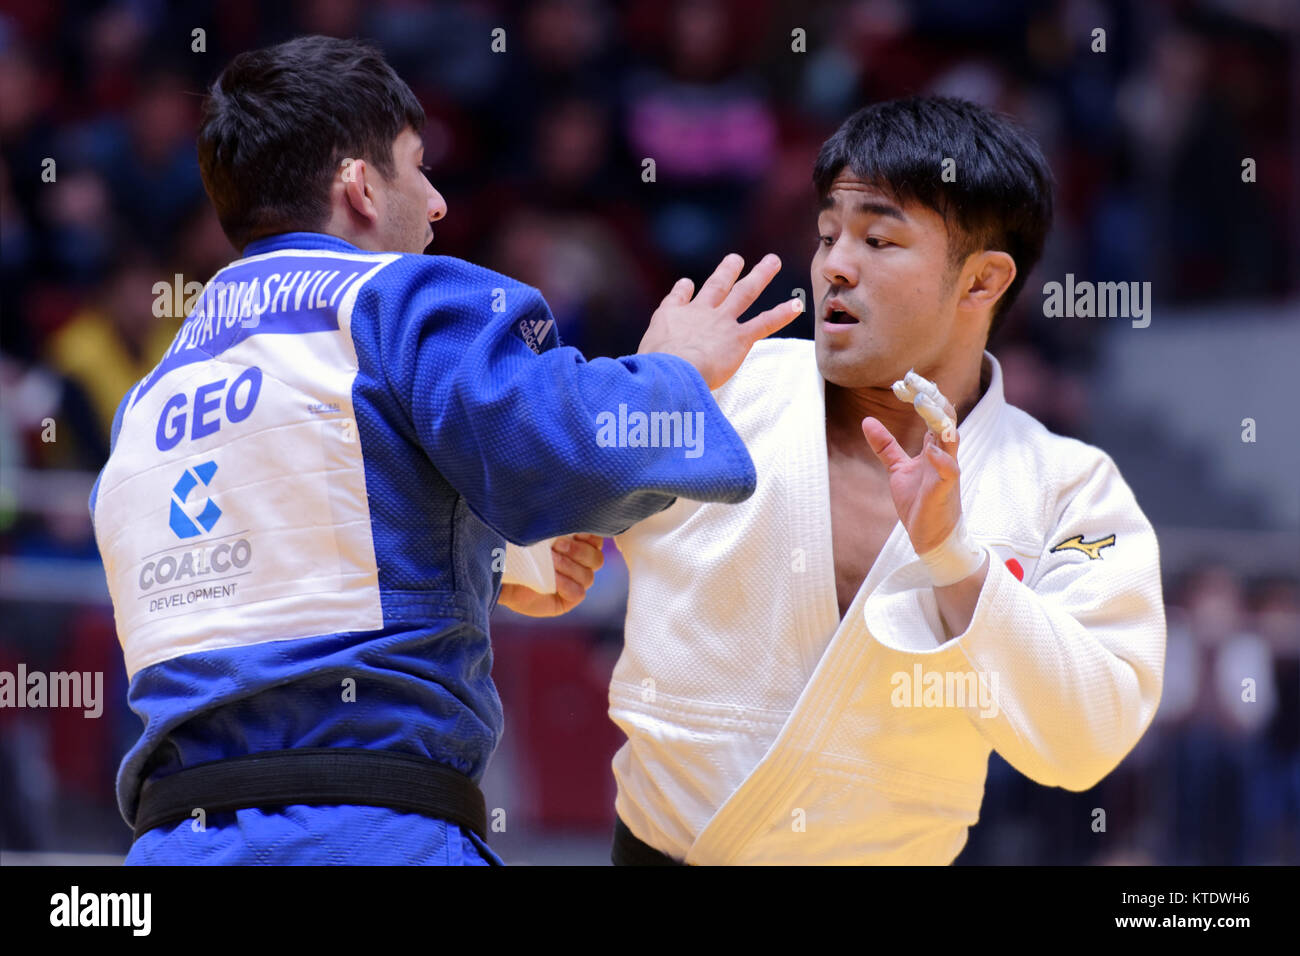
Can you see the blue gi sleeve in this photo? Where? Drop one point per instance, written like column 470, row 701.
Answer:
column 538, row 440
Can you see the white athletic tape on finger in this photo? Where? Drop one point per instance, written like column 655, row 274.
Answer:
column 934, row 415
column 911, row 385
column 956, row 558
column 923, row 395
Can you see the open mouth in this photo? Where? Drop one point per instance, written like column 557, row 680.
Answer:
column 839, row 317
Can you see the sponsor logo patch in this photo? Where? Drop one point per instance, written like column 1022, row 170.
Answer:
column 1091, row 548
column 181, row 523
column 535, row 333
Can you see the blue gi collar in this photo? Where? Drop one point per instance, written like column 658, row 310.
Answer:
column 297, row 240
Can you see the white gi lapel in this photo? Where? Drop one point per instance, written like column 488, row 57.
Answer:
column 748, row 809
column 812, row 559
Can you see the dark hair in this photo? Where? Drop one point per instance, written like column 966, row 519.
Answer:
column 1002, row 195
column 279, row 122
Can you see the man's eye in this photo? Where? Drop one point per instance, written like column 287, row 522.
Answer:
column 827, row 241
column 877, row 243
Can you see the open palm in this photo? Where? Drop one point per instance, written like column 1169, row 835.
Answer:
column 705, row 331
column 926, row 489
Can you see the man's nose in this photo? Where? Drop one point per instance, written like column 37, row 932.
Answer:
column 838, row 268
column 437, row 205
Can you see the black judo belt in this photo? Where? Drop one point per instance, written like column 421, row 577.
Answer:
column 327, row 776
column 630, row 850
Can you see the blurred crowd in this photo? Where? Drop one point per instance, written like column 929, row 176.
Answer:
column 539, row 149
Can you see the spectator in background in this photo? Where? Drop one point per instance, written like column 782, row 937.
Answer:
column 583, row 271
column 1203, row 103
column 81, row 226
column 1214, row 750
column 117, row 339
column 708, row 128
column 1273, row 804
column 567, row 230
column 148, row 161
column 34, row 398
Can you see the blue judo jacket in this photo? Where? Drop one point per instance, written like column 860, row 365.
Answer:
column 305, row 507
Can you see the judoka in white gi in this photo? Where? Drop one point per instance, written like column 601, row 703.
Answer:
column 819, row 674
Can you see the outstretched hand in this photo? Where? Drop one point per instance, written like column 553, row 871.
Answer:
column 705, row 331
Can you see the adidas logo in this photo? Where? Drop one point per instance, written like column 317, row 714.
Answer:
column 535, row 331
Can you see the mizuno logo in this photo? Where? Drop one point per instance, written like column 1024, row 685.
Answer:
column 1091, row 548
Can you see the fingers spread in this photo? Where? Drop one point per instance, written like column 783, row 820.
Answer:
column 717, row 286
column 773, row 320
column 748, row 289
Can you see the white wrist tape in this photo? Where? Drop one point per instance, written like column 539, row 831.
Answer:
column 956, row 558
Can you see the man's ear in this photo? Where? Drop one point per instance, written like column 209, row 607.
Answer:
column 987, row 276
column 359, row 194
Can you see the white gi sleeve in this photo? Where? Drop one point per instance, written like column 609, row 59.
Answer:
column 533, row 567
column 1076, row 654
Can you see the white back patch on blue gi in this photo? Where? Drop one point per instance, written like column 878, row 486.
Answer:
column 233, row 510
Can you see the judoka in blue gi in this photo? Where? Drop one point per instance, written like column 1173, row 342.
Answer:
column 307, row 500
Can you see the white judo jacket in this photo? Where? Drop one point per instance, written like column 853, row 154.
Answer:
column 763, row 729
